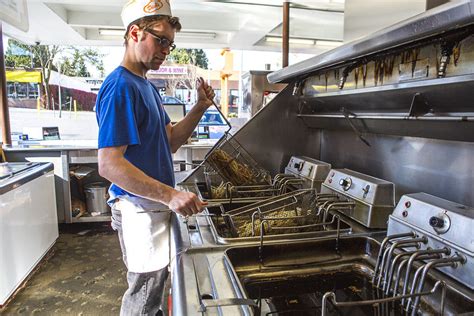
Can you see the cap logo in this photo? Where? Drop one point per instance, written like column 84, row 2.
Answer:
column 152, row 6
column 137, row 9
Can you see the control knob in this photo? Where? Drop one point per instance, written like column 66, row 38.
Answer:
column 299, row 165
column 440, row 223
column 345, row 183
column 436, row 222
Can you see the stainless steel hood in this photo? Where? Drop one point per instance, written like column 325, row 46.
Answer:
column 442, row 19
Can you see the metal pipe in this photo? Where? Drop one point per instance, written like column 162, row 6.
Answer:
column 399, row 243
column 437, row 252
column 332, row 296
column 404, row 262
column 443, row 262
column 341, row 206
column 4, row 113
column 392, row 269
column 286, row 33
column 413, row 258
column 326, row 297
column 382, row 246
column 260, row 248
column 413, row 285
column 325, row 214
column 338, row 231
column 399, row 273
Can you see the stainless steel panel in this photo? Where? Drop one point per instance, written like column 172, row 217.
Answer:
column 417, row 209
column 313, row 171
column 361, row 187
column 441, row 168
column 416, row 212
column 275, row 134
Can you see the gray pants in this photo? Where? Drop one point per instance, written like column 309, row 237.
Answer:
column 145, row 292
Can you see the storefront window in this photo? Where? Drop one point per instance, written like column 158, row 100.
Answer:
column 22, row 90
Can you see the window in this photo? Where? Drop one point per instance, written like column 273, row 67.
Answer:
column 32, row 90
column 22, row 90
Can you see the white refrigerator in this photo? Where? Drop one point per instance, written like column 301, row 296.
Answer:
column 28, row 221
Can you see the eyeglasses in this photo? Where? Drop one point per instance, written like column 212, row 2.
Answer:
column 162, row 41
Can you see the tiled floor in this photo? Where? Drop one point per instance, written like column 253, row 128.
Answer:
column 84, row 275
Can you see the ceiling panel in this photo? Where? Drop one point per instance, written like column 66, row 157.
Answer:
column 235, row 24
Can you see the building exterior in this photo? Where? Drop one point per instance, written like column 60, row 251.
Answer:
column 179, row 80
column 24, row 88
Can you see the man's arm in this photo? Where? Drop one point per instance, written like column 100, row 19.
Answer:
column 179, row 133
column 114, row 167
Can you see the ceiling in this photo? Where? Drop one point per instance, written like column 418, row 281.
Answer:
column 239, row 25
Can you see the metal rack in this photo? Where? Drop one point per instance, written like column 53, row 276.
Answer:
column 234, row 164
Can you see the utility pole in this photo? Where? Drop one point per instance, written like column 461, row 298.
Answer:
column 286, row 33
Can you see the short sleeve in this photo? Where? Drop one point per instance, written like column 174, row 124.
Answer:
column 116, row 118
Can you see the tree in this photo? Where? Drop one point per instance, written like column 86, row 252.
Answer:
column 182, row 56
column 73, row 63
column 40, row 56
column 196, row 57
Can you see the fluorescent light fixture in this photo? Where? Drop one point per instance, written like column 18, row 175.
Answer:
column 112, row 32
column 328, row 43
column 300, row 41
column 196, row 35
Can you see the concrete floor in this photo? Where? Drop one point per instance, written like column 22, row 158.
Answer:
column 83, row 275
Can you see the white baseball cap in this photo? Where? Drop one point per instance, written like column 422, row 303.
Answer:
column 136, row 9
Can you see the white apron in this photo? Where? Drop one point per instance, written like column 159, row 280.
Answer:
column 145, row 234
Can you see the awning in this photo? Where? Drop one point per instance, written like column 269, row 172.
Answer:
column 24, row 76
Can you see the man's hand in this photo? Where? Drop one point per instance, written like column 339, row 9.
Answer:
column 205, row 94
column 185, row 203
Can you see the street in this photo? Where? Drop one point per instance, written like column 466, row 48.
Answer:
column 72, row 126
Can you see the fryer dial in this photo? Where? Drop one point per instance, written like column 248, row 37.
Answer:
column 440, row 223
column 299, row 165
column 436, row 222
column 345, row 183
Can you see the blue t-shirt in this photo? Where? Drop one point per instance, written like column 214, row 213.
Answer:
column 129, row 112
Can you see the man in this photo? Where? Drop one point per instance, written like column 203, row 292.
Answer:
column 136, row 139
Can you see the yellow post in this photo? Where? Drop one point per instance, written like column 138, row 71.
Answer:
column 224, row 96
column 226, row 72
column 75, row 108
column 38, row 104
